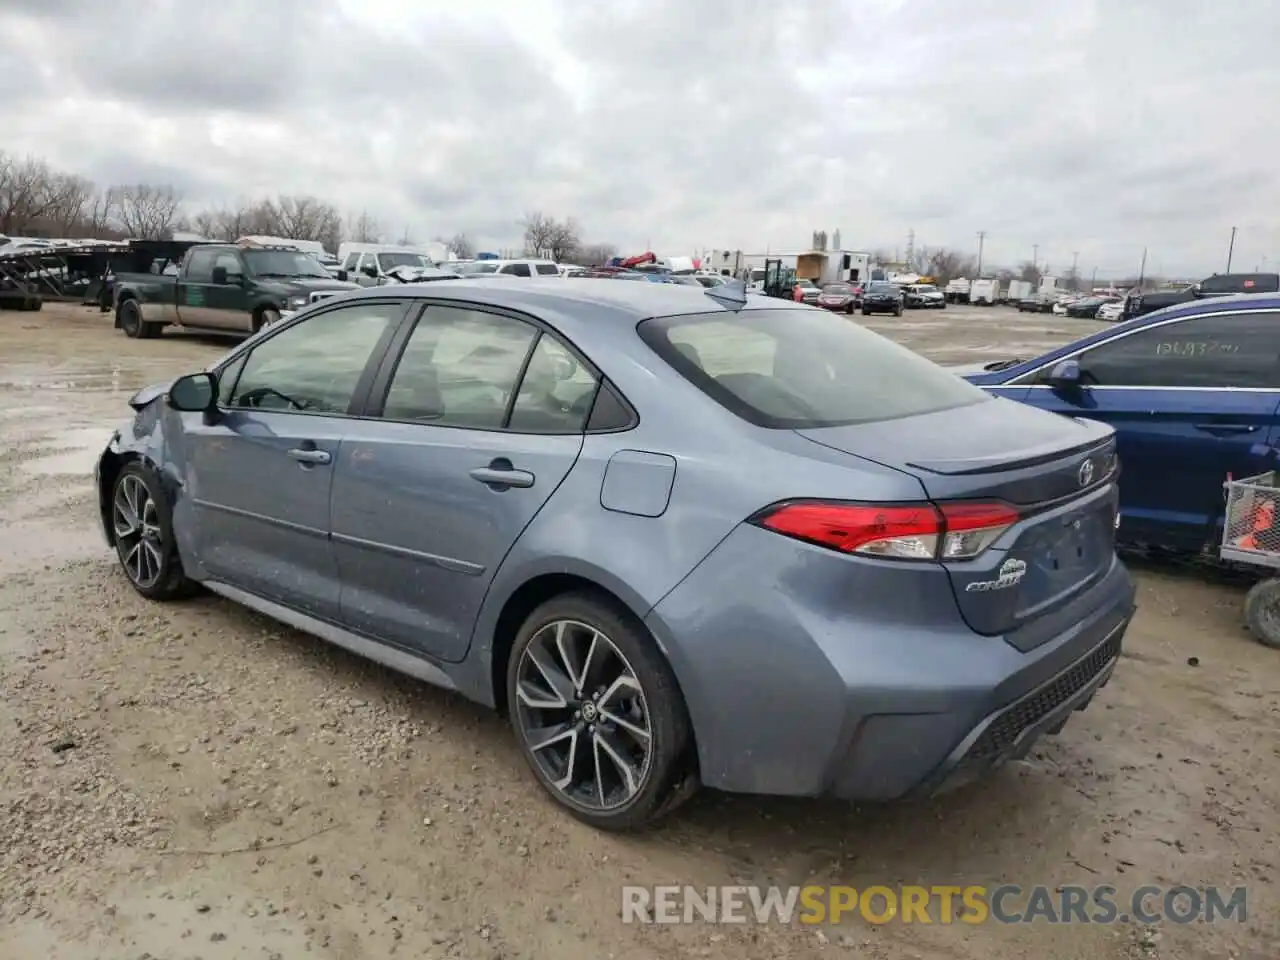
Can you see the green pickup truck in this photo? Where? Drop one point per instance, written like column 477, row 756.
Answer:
column 221, row 287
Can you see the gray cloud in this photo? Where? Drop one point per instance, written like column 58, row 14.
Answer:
column 1098, row 128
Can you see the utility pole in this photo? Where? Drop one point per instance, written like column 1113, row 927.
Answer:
column 1035, row 256
column 982, row 236
column 1142, row 270
column 1231, row 249
column 1094, row 281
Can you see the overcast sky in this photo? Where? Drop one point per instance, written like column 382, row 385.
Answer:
column 1075, row 125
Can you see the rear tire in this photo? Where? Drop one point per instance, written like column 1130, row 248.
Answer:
column 598, row 714
column 130, row 319
column 142, row 531
column 1262, row 612
column 866, row 312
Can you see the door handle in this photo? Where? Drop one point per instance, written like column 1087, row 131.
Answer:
column 1226, row 429
column 309, row 457
column 500, row 473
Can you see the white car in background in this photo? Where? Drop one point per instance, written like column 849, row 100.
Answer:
column 1111, row 312
column 515, row 268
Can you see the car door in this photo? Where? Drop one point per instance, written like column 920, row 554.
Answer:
column 476, row 427
column 1193, row 401
column 226, row 298
column 194, row 283
column 259, row 479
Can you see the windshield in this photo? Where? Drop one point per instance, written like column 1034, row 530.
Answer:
column 480, row 266
column 882, row 288
column 284, row 263
column 797, row 369
column 389, row 261
column 806, row 283
column 926, row 288
column 839, row 288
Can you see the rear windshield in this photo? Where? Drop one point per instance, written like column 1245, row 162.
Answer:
column 798, row 369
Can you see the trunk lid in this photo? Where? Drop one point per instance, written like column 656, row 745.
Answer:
column 1057, row 471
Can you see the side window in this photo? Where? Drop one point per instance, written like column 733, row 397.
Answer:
column 352, row 260
column 229, row 262
column 314, row 366
column 517, row 269
column 610, row 411
column 556, row 392
column 547, row 270
column 1235, row 350
column 459, row 369
column 200, row 266
column 227, row 378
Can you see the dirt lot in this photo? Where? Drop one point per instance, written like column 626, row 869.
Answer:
column 195, row 781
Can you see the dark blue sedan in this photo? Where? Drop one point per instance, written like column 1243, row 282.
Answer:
column 1193, row 392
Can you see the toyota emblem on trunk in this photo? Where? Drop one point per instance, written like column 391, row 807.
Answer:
column 1086, row 473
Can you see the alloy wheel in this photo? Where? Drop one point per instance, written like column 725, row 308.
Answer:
column 583, row 716
column 139, row 539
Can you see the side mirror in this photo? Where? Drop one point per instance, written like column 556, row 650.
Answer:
column 342, row 275
column 220, row 276
column 1066, row 375
column 194, row 393
column 369, row 270
column 1197, row 289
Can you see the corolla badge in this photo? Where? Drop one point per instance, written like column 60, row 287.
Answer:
column 1086, row 473
column 1010, row 575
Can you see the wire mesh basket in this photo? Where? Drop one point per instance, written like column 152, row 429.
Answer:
column 1251, row 531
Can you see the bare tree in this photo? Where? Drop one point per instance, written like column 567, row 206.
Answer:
column 24, row 192
column 99, row 214
column 364, row 228
column 66, row 198
column 146, row 211
column 460, row 245
column 945, row 265
column 1030, row 272
column 594, row 254
column 539, row 231
column 565, row 238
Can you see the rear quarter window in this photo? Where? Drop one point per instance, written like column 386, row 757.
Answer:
column 802, row 369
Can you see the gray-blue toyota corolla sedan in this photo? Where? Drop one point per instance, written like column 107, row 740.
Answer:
column 680, row 536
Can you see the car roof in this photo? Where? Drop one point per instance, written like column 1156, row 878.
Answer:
column 594, row 298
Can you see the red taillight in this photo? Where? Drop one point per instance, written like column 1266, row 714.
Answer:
column 953, row 531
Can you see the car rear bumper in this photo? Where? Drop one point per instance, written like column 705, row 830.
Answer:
column 867, row 685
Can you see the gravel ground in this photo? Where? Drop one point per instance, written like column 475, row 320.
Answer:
column 193, row 780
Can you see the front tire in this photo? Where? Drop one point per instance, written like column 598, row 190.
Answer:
column 265, row 317
column 142, row 529
column 897, row 311
column 598, row 714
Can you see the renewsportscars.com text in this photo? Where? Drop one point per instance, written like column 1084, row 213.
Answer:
column 1006, row 904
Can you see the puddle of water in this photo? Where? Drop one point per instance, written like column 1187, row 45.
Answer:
column 77, row 452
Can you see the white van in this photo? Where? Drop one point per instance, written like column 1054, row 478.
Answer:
column 368, row 263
